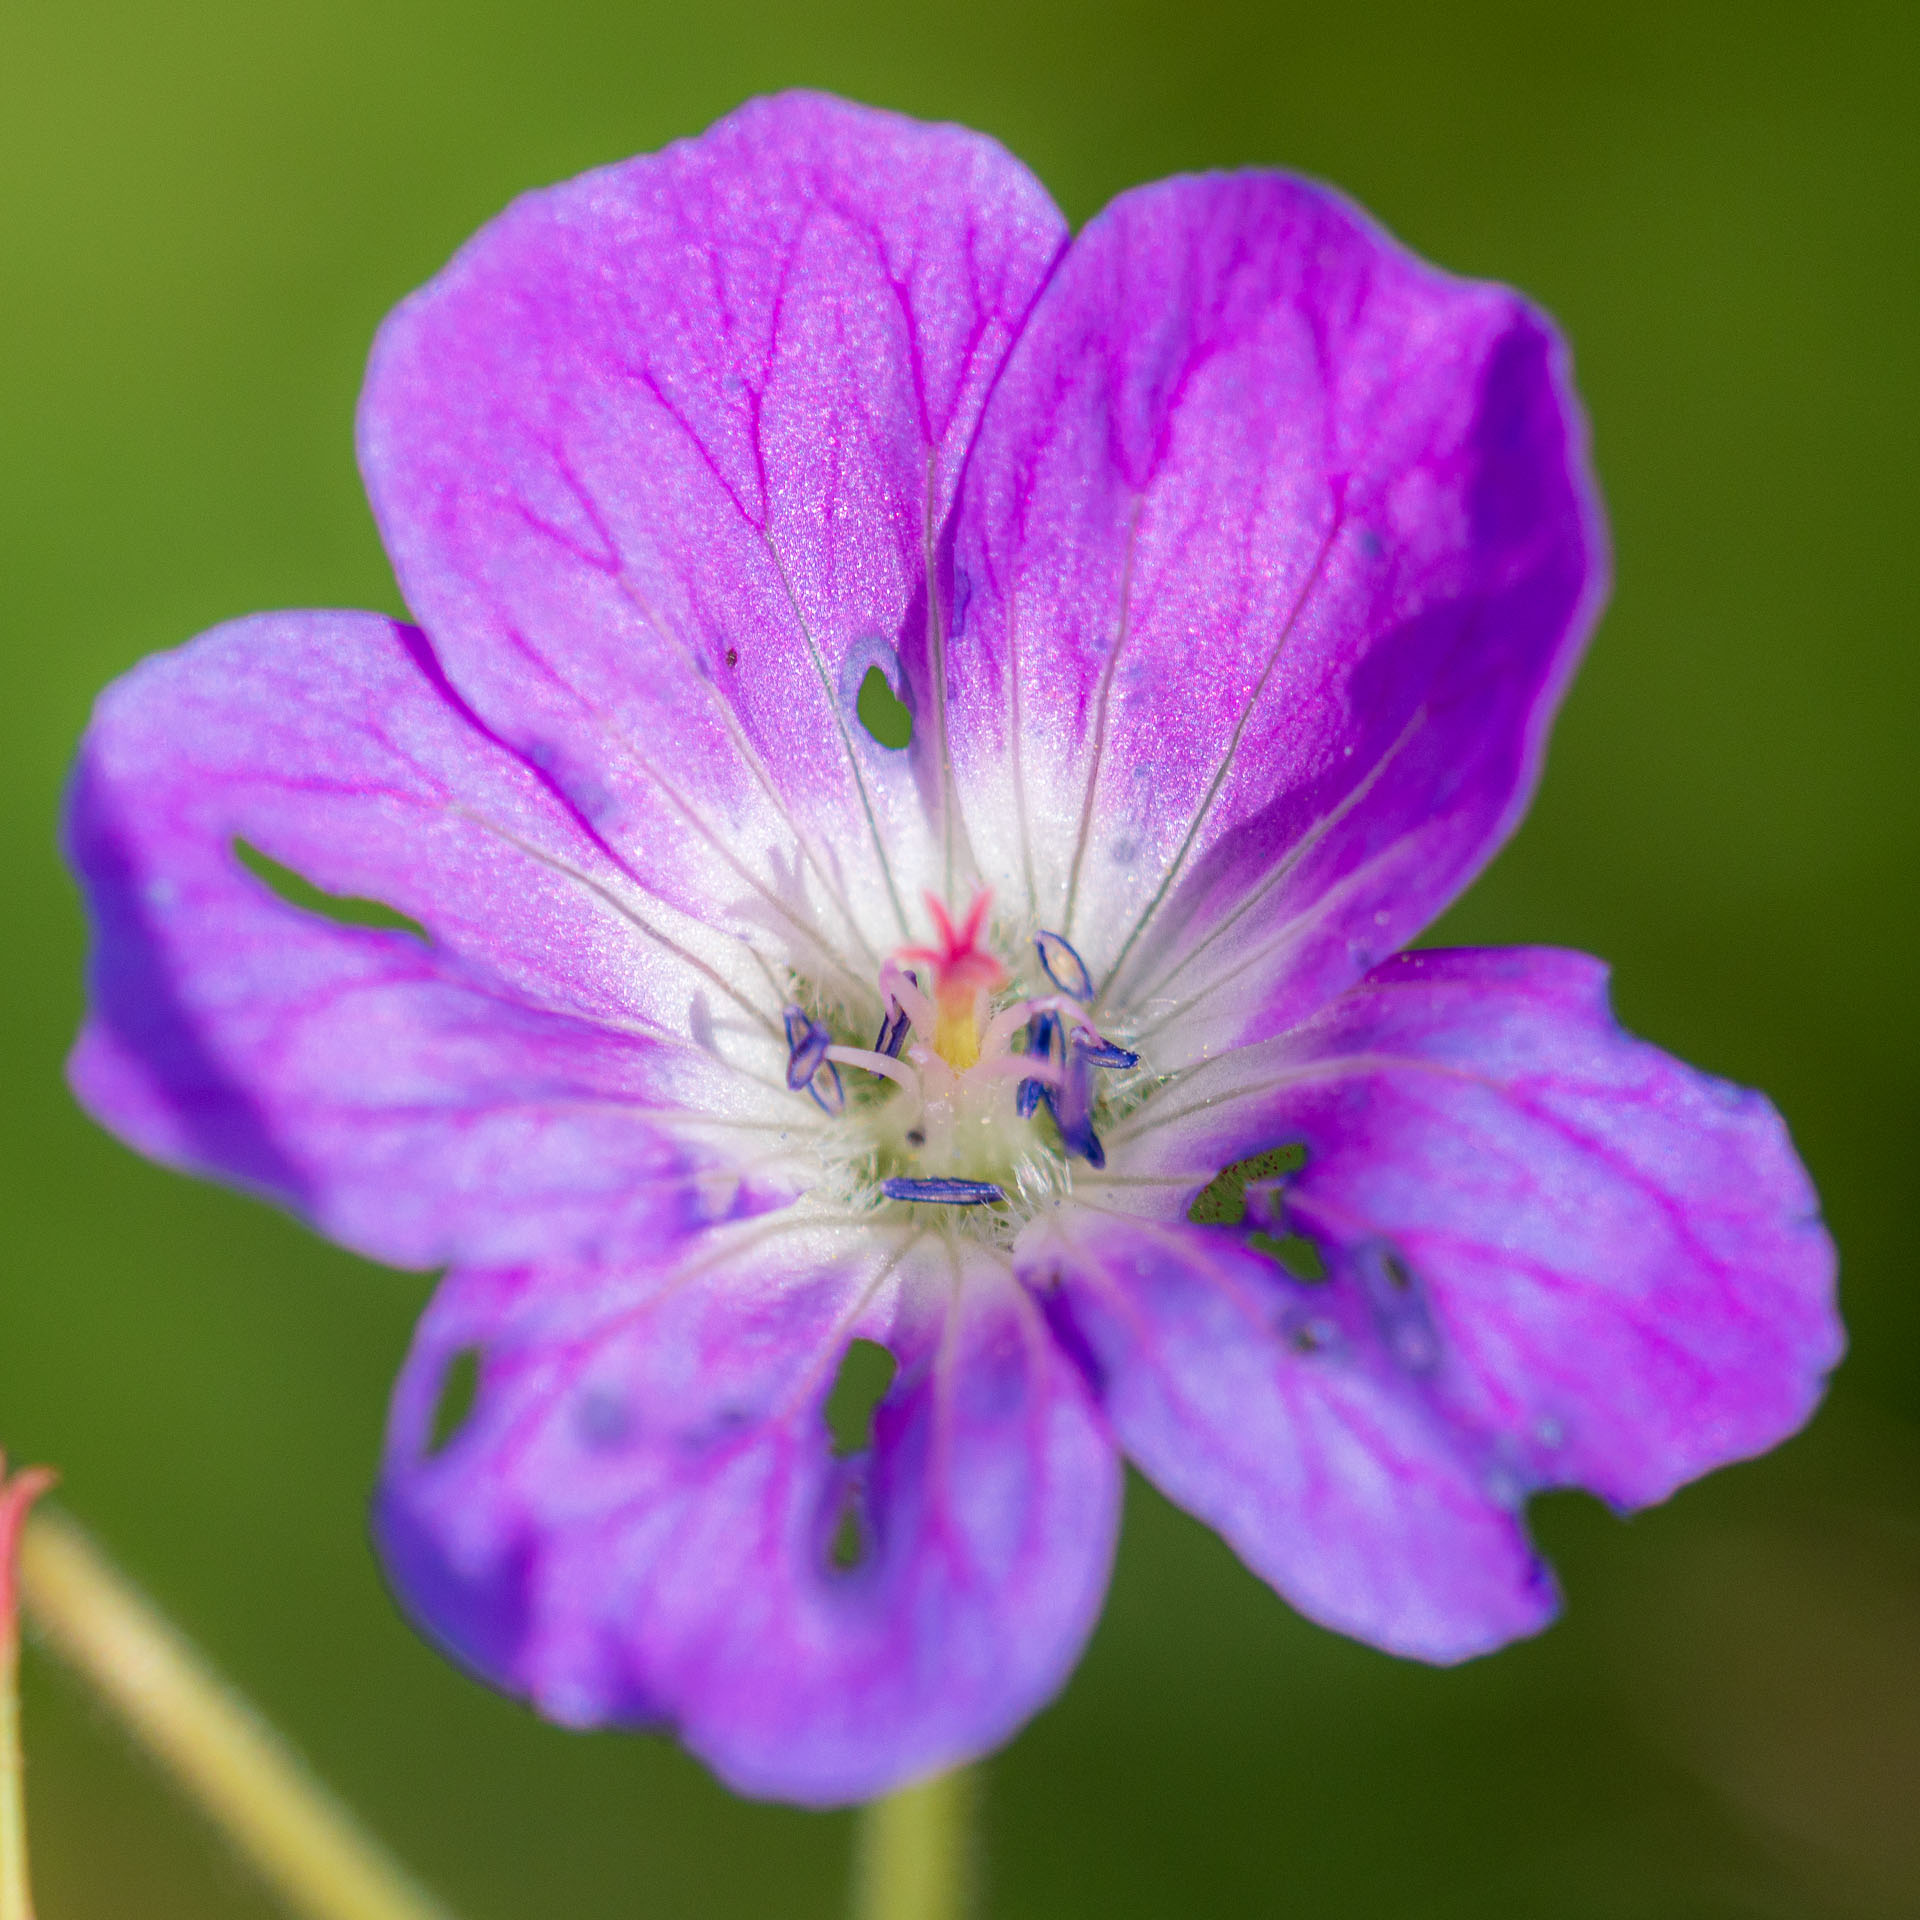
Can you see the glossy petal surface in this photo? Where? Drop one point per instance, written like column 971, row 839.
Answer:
column 660, row 459
column 493, row 1092
column 638, row 1522
column 1274, row 558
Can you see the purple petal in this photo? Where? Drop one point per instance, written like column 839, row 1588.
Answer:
column 637, row 1523
column 660, row 460
column 517, row 1086
column 1245, row 1402
column 1274, row 557
column 1598, row 1266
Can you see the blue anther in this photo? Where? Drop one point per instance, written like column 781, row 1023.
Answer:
column 946, row 1193
column 1072, row 1106
column 894, row 1028
column 1097, row 1052
column 1040, row 1031
column 807, row 1044
column 1080, row 1138
column 1063, row 966
column 834, row 1097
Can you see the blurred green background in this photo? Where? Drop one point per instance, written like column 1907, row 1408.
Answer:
column 206, row 206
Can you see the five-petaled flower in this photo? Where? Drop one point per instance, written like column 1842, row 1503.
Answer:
column 1230, row 563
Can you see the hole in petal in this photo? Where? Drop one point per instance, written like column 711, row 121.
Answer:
column 459, row 1388
column 866, row 1372
column 344, row 910
column 1294, row 1251
column 1222, row 1202
column 881, row 713
column 848, row 1546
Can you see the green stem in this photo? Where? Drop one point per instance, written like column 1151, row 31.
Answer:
column 914, row 1852
column 16, row 1890
column 304, row 1843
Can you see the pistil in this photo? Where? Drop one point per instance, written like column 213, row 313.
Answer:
column 955, row 1131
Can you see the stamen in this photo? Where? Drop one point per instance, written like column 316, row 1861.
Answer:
column 1080, row 1139
column 1041, row 1028
column 877, row 1062
column 1063, row 966
column 1073, row 1111
column 1010, row 1065
column 1097, row 1052
column 900, row 988
column 946, row 1193
column 939, row 1042
column 1086, row 1037
column 894, row 1028
column 828, row 1089
column 1003, row 1026
column 807, row 1043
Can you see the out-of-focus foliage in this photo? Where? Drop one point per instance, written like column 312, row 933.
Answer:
column 205, row 208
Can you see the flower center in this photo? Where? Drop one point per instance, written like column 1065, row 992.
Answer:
column 974, row 1092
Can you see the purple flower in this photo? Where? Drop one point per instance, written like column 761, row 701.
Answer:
column 1230, row 564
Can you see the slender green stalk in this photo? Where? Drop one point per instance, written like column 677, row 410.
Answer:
column 915, row 1852
column 305, row 1844
column 16, row 1890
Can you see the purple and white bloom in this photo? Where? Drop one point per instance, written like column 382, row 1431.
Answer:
column 1230, row 563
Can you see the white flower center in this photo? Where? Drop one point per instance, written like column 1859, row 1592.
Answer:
column 977, row 1093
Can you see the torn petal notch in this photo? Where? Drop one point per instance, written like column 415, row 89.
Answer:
column 343, row 909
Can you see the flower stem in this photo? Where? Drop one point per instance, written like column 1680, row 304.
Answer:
column 304, row 1843
column 914, row 1856
column 16, row 1892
